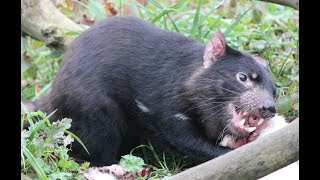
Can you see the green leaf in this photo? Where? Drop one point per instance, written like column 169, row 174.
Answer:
column 195, row 24
column 120, row 7
column 226, row 33
column 42, row 175
column 293, row 87
column 84, row 166
column 38, row 144
column 63, row 163
column 38, row 125
column 42, row 91
column 24, row 136
column 24, row 107
column 164, row 11
column 174, row 24
column 32, row 148
column 60, row 175
column 180, row 4
column 282, row 81
column 156, row 4
column 62, row 125
column 70, row 32
column 76, row 138
column 132, row 163
column 62, row 152
column 29, row 70
column 284, row 104
column 67, row 140
column 206, row 17
column 258, row 45
column 44, row 166
column 96, row 10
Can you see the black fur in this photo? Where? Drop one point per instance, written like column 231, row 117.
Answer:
column 122, row 60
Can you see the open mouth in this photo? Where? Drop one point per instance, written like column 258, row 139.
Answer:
column 246, row 124
column 244, row 127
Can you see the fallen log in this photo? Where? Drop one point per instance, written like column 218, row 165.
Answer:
column 251, row 161
column 43, row 21
column 290, row 3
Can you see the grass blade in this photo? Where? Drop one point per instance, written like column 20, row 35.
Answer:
column 284, row 62
column 205, row 18
column 23, row 160
column 195, row 23
column 180, row 4
column 39, row 124
column 24, row 108
column 69, row 32
column 174, row 24
column 22, row 122
column 139, row 8
column 164, row 11
column 120, row 7
column 42, row 175
column 76, row 138
column 207, row 33
column 237, row 20
column 156, row 4
column 134, row 7
column 95, row 10
column 43, row 90
column 81, row 3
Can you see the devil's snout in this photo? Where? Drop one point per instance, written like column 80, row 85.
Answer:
column 268, row 109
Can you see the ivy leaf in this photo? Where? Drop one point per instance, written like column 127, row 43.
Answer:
column 132, row 163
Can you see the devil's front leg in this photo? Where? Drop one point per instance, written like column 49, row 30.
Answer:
column 184, row 137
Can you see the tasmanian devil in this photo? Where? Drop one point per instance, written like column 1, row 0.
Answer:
column 124, row 78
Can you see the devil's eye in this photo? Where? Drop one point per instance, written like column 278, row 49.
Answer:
column 242, row 77
column 274, row 93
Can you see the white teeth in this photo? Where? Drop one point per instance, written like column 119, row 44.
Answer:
column 250, row 129
column 260, row 121
column 226, row 139
column 241, row 123
column 245, row 113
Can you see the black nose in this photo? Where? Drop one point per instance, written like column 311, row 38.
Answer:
column 268, row 109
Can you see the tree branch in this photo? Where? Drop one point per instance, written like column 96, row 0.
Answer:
column 43, row 21
column 253, row 160
column 291, row 3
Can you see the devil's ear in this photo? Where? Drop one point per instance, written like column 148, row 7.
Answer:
column 261, row 61
column 215, row 48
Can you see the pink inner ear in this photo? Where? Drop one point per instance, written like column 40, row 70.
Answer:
column 218, row 43
column 261, row 61
column 215, row 48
